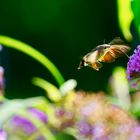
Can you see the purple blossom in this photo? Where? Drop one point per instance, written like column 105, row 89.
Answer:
column 99, row 131
column 84, row 128
column 39, row 114
column 3, row 135
column 89, row 108
column 1, row 47
column 26, row 125
column 60, row 112
column 41, row 138
column 2, row 78
column 101, row 138
column 136, row 130
column 133, row 66
column 135, row 135
column 23, row 123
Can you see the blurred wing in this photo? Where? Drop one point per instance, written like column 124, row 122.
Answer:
column 119, row 50
column 117, row 41
column 107, row 57
column 115, row 51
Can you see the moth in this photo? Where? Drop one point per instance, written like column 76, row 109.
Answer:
column 105, row 53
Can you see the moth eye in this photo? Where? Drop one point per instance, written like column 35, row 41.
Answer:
column 82, row 63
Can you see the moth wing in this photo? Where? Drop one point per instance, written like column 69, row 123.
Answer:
column 119, row 46
column 107, row 57
column 119, row 50
column 115, row 51
column 117, row 41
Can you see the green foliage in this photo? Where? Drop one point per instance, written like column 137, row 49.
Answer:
column 125, row 17
column 52, row 91
column 119, row 87
column 20, row 107
column 136, row 11
column 128, row 11
column 27, row 49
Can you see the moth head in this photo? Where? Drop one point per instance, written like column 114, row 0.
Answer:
column 82, row 63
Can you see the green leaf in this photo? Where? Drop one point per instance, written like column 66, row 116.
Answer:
column 68, row 86
column 51, row 90
column 30, row 51
column 136, row 11
column 120, row 87
column 135, row 109
column 125, row 16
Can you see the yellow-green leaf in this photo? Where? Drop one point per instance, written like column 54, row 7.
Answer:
column 125, row 16
column 51, row 90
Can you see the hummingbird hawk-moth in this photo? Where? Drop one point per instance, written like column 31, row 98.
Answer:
column 105, row 53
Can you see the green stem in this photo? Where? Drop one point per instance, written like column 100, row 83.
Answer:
column 27, row 49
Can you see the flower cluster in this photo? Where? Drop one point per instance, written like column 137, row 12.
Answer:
column 91, row 116
column 39, row 114
column 22, row 127
column 133, row 66
column 134, row 63
column 95, row 118
column 3, row 134
column 19, row 122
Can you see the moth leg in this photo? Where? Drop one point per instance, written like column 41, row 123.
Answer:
column 97, row 65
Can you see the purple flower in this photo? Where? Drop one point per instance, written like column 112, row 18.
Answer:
column 133, row 66
column 19, row 122
column 1, row 78
column 99, row 131
column 41, row 138
column 39, row 114
column 84, row 128
column 3, row 135
column 135, row 133
column 60, row 112
column 23, row 123
column 89, row 108
column 1, row 47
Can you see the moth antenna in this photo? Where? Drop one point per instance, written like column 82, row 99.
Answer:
column 104, row 41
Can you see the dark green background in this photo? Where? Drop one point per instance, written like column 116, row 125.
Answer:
column 63, row 30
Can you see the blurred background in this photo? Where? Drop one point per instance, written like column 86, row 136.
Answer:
column 63, row 30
